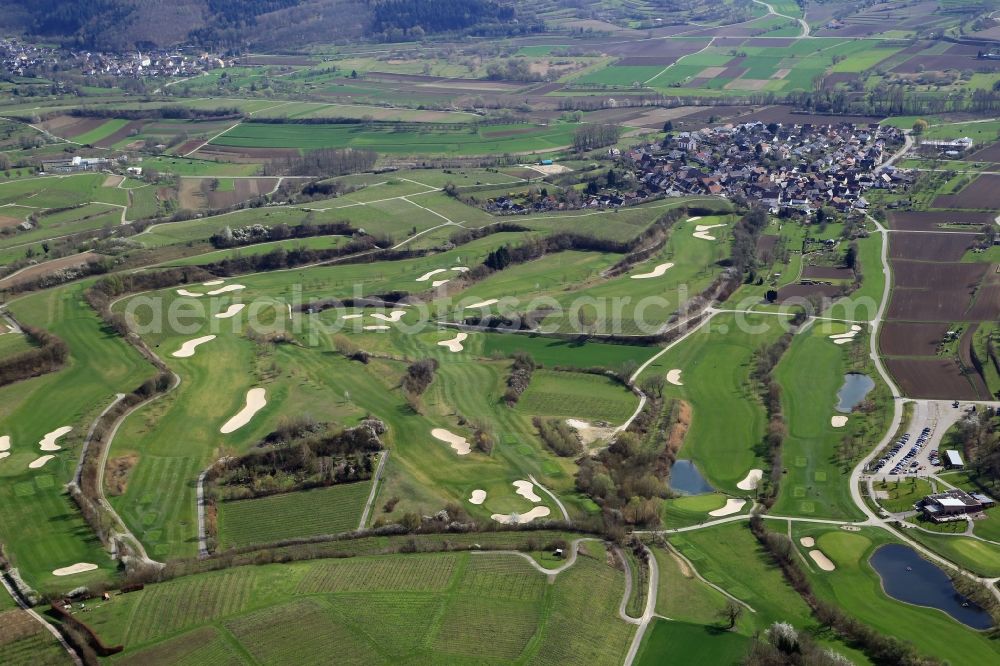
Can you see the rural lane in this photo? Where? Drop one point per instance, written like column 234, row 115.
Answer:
column 650, row 610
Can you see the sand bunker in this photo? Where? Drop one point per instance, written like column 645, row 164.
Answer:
column 79, row 567
column 429, row 274
column 40, row 462
column 438, row 283
column 185, row 292
column 706, row 227
column 485, row 304
column 821, row 560
column 838, row 421
column 478, row 496
column 187, row 349
column 844, row 338
column 375, row 328
column 460, row 269
column 704, row 235
column 842, row 341
column 732, row 506
column 521, row 518
column 460, row 444
column 4, row 454
column 48, row 442
column 212, row 283
column 393, row 316
column 5, row 443
column 694, row 219
column 256, row 401
column 674, row 377
column 455, row 344
column 231, row 311
column 656, row 272
column 526, row 489
column 352, row 316
column 753, row 477
column 225, row 290
column 807, row 542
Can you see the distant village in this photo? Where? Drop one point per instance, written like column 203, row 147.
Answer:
column 787, row 167
column 21, row 59
column 790, row 168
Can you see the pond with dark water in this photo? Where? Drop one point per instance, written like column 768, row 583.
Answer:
column 906, row 576
column 685, row 478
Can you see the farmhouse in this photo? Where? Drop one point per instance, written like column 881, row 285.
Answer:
column 953, row 505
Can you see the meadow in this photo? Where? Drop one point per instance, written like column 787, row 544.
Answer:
column 376, row 610
column 477, row 140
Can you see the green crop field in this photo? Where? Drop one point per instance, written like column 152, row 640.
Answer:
column 24, row 641
column 475, row 141
column 691, row 644
column 375, row 610
column 292, row 515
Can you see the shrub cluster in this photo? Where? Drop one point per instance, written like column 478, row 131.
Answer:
column 559, row 437
column 519, row 378
column 49, row 355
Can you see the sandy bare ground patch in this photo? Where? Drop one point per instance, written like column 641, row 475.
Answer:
column 352, row 316
column 256, row 401
column 821, row 560
column 710, row 72
column 6, row 221
column 40, row 462
column 212, row 283
column 706, row 227
column 231, row 311
column 850, row 528
column 393, row 316
column 693, row 219
column 455, row 344
column 79, row 567
column 521, row 518
column 838, row 421
column 751, row 480
column 429, row 274
column 478, row 496
column 484, row 304
column 655, row 273
column 590, row 433
column 189, row 294
column 460, row 444
column 225, row 290
column 113, row 181
column 47, row 267
column 701, row 231
column 781, row 73
column 526, row 489
column 188, row 348
column 5, row 443
column 379, row 327
column 807, row 542
column 549, row 169
column 674, row 377
column 732, row 506
column 438, row 283
column 48, row 442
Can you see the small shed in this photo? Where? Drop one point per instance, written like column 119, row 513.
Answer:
column 953, row 460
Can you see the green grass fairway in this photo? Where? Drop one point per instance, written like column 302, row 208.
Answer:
column 976, row 556
column 292, row 515
column 683, row 597
column 727, row 423
column 492, row 139
column 565, row 353
column 691, row 509
column 376, row 610
column 855, row 587
column 39, row 525
column 684, row 643
column 810, row 374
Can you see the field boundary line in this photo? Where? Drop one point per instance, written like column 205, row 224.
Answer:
column 90, row 436
column 698, row 575
column 650, row 610
column 374, row 491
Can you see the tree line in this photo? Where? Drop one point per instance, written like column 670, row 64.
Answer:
column 48, row 355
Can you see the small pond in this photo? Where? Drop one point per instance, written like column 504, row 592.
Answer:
column 685, row 478
column 856, row 387
column 908, row 577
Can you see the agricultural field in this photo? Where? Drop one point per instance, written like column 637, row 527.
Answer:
column 384, row 609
